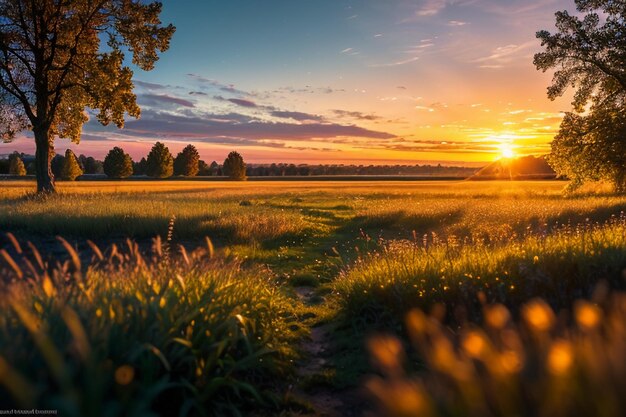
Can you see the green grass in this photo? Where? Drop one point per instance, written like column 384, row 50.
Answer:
column 370, row 251
column 140, row 337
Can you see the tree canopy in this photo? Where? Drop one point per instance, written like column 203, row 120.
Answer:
column 160, row 163
column 70, row 170
column 234, row 167
column 53, row 67
column 16, row 165
column 118, row 164
column 588, row 53
column 187, row 162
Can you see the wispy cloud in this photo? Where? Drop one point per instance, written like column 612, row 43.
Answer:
column 430, row 7
column 502, row 55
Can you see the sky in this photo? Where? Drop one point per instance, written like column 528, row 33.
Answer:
column 343, row 81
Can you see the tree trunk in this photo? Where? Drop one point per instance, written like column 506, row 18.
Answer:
column 43, row 158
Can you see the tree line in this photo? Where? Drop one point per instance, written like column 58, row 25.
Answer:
column 160, row 163
column 117, row 164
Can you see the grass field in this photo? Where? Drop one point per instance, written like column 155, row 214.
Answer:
column 273, row 312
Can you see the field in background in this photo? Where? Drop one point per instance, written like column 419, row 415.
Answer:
column 338, row 260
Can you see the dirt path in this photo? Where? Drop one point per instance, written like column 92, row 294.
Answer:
column 315, row 366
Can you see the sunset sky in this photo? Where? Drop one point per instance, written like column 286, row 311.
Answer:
column 343, row 81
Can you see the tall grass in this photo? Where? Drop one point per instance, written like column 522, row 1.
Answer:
column 561, row 266
column 543, row 365
column 126, row 335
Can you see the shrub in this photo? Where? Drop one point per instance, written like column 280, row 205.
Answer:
column 160, row 163
column 70, row 169
column 234, row 167
column 118, row 164
column 187, row 162
column 16, row 165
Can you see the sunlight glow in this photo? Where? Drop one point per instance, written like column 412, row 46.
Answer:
column 506, row 151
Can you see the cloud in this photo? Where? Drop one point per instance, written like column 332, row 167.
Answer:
column 502, row 55
column 296, row 115
column 431, row 7
column 150, row 86
column 242, row 102
column 157, row 100
column 199, row 124
column 227, row 88
column 396, row 63
column 457, row 23
column 356, row 115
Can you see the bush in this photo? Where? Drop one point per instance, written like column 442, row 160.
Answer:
column 187, row 162
column 118, row 164
column 16, row 165
column 160, row 163
column 234, row 167
column 70, row 169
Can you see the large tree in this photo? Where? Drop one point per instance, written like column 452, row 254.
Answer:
column 53, row 67
column 588, row 53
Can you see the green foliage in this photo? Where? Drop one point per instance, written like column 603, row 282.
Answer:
column 187, row 161
column 588, row 53
column 131, row 335
column 16, row 165
column 234, row 167
column 160, row 163
column 118, row 164
column 66, row 70
column 70, row 170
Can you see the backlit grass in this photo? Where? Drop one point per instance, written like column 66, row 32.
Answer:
column 133, row 336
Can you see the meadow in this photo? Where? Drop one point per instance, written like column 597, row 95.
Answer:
column 259, row 298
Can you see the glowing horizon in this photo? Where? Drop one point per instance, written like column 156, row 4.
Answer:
column 445, row 81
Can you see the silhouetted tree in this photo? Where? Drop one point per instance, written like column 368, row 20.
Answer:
column 16, row 165
column 186, row 162
column 118, row 164
column 70, row 169
column 234, row 167
column 139, row 168
column 160, row 163
column 203, row 169
column 56, row 165
column 90, row 165
column 52, row 67
column 589, row 52
column 215, row 169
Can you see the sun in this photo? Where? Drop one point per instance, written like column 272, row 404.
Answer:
column 506, row 151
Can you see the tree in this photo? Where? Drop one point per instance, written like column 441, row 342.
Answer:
column 589, row 53
column 16, row 165
column 234, row 167
column 118, row 164
column 52, row 67
column 160, row 163
column 203, row 169
column 70, row 169
column 186, row 162
column 90, row 165
column 139, row 168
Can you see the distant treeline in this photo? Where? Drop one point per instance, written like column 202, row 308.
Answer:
column 89, row 165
